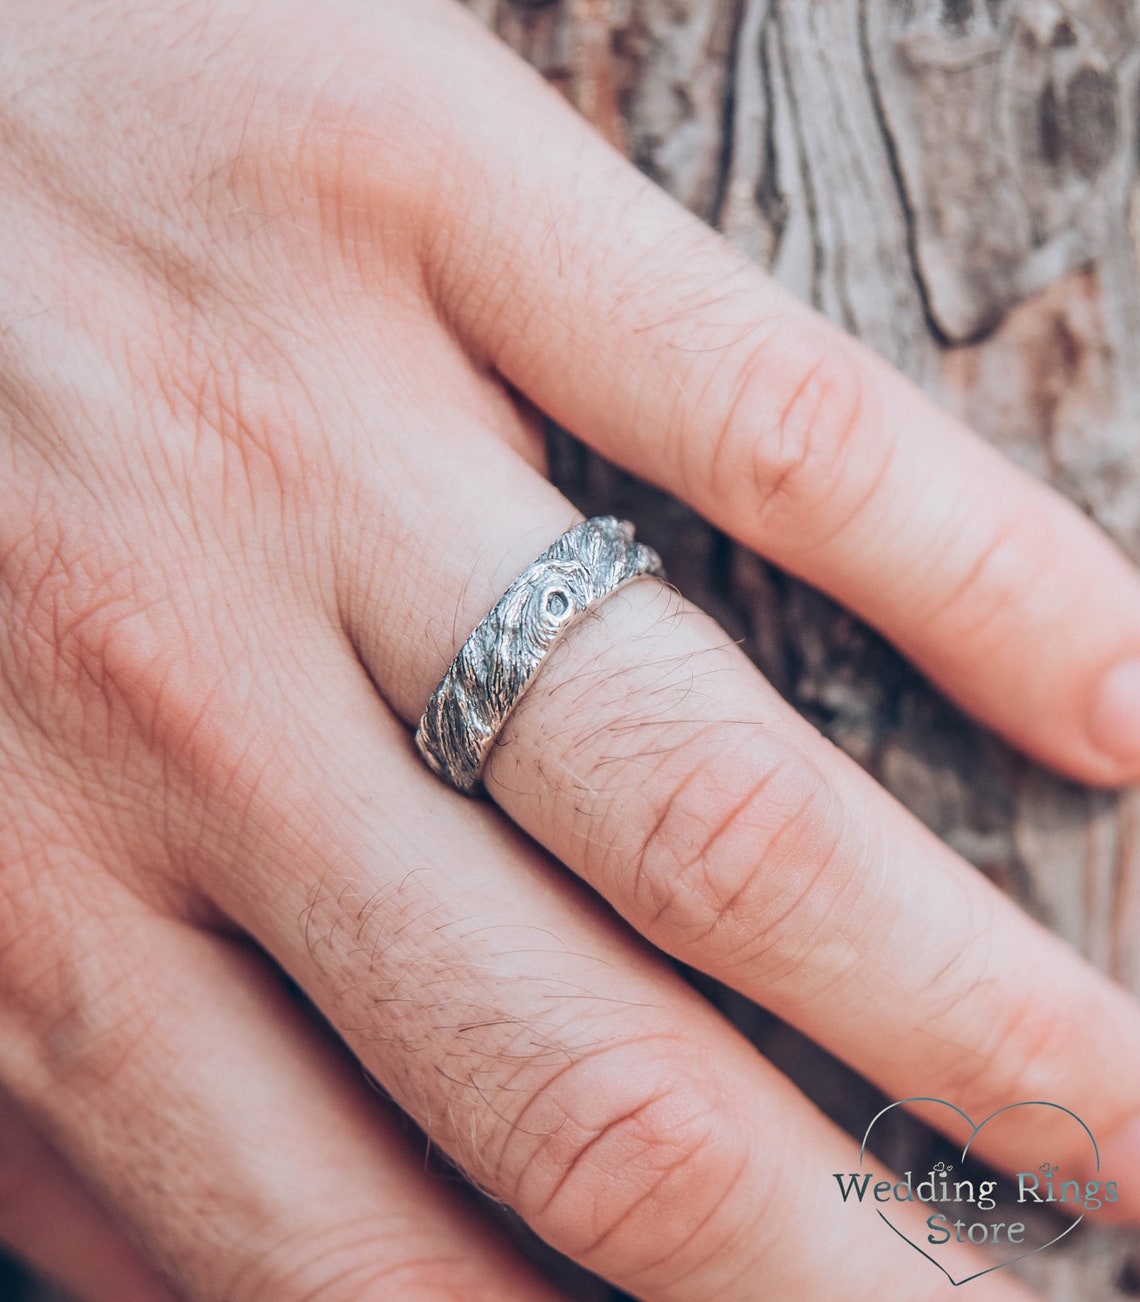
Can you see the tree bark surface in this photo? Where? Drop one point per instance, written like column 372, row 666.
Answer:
column 956, row 182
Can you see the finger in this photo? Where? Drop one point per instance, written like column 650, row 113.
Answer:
column 641, row 330
column 659, row 765
column 247, row 1161
column 560, row 1063
column 654, row 760
column 54, row 1224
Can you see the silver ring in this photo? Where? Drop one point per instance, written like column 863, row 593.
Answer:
column 496, row 664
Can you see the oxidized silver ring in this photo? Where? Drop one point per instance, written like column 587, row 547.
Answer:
column 496, row 664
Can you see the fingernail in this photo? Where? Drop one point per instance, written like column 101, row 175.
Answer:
column 1115, row 722
column 1119, row 1173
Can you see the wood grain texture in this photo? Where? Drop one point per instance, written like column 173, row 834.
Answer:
column 955, row 181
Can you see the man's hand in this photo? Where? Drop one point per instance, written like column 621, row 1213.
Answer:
column 270, row 283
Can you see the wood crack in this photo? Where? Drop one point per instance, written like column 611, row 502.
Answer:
column 725, row 156
column 890, row 147
column 811, row 205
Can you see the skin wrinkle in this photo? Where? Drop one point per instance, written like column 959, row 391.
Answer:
column 342, row 156
column 863, row 503
column 27, row 903
column 646, row 1199
column 687, row 1239
column 38, row 844
column 582, row 1155
column 722, row 824
column 70, row 604
column 820, row 990
column 100, row 227
column 678, row 734
column 651, row 843
column 676, row 441
column 261, row 455
column 730, row 446
column 607, row 689
column 676, row 261
column 507, row 1176
column 771, row 941
column 807, row 454
column 105, row 667
column 715, row 1249
column 649, row 1138
column 470, row 310
column 1011, row 560
column 203, row 382
column 80, row 392
column 26, row 409
column 44, row 786
column 194, row 725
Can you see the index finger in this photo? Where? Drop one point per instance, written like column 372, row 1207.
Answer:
column 639, row 328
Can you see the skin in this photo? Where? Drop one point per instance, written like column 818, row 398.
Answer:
column 279, row 305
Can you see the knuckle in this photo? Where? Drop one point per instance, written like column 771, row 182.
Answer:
column 740, row 843
column 1025, row 1053
column 75, row 1017
column 793, row 439
column 248, row 424
column 90, row 1018
column 71, row 606
column 1007, row 560
column 627, row 1156
column 318, row 151
column 99, row 654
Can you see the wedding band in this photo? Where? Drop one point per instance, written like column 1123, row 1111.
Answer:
column 496, row 664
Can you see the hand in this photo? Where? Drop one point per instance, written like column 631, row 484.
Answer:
column 271, row 291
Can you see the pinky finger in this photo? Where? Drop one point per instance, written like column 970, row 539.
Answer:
column 51, row 1221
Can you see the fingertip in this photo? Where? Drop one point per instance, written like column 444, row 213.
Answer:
column 1114, row 721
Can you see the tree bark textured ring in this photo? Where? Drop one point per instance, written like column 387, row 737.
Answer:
column 496, row 664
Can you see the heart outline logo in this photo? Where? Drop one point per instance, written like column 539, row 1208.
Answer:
column 975, row 1128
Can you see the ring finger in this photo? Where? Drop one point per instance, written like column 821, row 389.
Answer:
column 652, row 758
column 563, row 1065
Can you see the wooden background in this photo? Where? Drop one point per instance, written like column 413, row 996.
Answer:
column 958, row 183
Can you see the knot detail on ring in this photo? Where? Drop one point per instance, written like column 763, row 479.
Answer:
column 496, row 664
